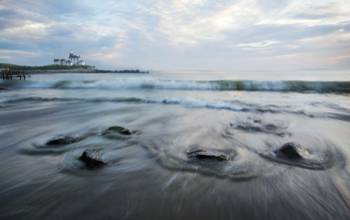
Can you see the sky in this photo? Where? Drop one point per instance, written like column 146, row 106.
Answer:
column 179, row 34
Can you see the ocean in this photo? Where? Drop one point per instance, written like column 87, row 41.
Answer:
column 176, row 145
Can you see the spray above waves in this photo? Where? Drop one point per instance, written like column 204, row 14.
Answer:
column 222, row 85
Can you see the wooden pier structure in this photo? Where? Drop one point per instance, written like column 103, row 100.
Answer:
column 9, row 74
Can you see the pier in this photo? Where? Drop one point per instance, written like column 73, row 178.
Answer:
column 12, row 74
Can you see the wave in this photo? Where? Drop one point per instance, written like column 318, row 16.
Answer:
column 57, row 99
column 234, row 105
column 222, row 85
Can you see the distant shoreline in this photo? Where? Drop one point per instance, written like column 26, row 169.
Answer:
column 81, row 72
column 66, row 69
column 60, row 71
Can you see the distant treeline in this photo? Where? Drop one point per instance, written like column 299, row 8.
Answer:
column 66, row 69
column 47, row 67
column 121, row 71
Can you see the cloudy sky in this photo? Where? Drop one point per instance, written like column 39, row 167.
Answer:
column 179, row 34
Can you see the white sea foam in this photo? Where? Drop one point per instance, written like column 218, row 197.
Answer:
column 156, row 83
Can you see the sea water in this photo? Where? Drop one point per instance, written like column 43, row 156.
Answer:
column 149, row 175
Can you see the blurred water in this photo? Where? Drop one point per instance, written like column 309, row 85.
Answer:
column 148, row 175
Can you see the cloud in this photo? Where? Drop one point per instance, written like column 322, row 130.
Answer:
column 27, row 30
column 190, row 22
column 10, row 54
column 178, row 33
column 261, row 44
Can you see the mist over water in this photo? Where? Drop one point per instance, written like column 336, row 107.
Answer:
column 242, row 119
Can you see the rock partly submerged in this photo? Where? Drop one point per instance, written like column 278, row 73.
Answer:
column 292, row 151
column 210, row 161
column 209, row 155
column 55, row 145
column 92, row 159
column 295, row 154
column 62, row 140
column 117, row 132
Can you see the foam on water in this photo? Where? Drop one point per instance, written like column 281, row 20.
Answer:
column 201, row 149
column 337, row 112
column 222, row 85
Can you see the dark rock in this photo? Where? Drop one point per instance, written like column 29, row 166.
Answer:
column 292, row 151
column 296, row 155
column 118, row 130
column 92, row 159
column 208, row 154
column 61, row 141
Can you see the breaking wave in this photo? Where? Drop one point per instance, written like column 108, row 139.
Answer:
column 233, row 105
column 223, row 85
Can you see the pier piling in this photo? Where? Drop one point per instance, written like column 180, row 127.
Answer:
column 10, row 74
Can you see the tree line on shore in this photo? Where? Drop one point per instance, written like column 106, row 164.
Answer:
column 55, row 68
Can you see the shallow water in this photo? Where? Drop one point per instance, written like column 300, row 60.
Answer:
column 148, row 175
